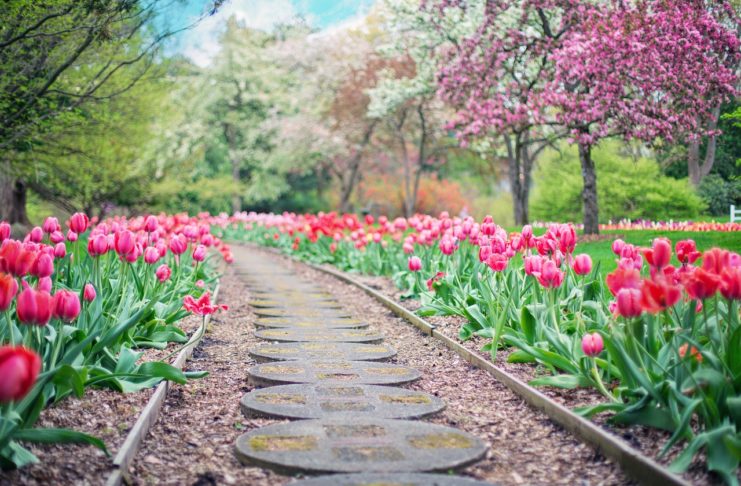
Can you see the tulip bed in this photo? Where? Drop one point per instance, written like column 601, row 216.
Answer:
column 78, row 308
column 658, row 338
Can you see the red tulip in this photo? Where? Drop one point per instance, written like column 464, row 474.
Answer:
column 79, row 223
column 15, row 258
column 686, row 252
column 19, row 368
column 202, row 306
column 716, row 260
column 629, row 302
column 582, row 264
column 700, row 284
column 658, row 295
column 8, row 290
column 66, row 305
column 730, row 286
column 415, row 264
column 592, row 344
column 89, row 293
column 623, row 278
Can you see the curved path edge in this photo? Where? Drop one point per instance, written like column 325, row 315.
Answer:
column 641, row 468
column 149, row 414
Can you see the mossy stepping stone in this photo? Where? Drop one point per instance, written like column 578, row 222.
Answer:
column 380, row 479
column 320, row 335
column 330, row 372
column 314, row 296
column 300, row 323
column 347, row 322
column 301, row 311
column 340, row 351
column 358, row 445
column 320, row 401
column 282, row 303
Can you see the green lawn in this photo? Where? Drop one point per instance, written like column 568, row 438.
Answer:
column 601, row 251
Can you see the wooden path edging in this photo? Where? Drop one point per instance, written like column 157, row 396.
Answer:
column 148, row 416
column 639, row 467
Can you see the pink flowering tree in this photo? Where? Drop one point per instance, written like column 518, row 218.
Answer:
column 646, row 70
column 641, row 70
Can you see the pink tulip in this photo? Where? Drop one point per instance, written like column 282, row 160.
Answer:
column 660, row 253
column 5, row 231
column 124, row 242
column 199, row 253
column 36, row 234
column 178, row 244
column 151, row 255
column 497, row 262
column 533, row 264
column 71, row 236
column 66, row 305
column 629, row 302
column 617, row 247
column 97, row 245
column 56, row 237
column 582, row 264
column 415, row 264
column 60, row 250
column 44, row 284
column 43, row 266
column 79, row 223
column 51, row 225
column 592, row 344
column 89, row 293
column 150, row 224
column 34, row 307
column 550, row 275
column 163, row 273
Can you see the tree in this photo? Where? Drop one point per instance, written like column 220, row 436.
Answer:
column 44, row 47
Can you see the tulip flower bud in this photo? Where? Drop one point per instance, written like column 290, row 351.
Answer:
column 66, row 305
column 19, row 368
column 617, row 247
column 79, row 223
column 163, row 273
column 89, row 293
column 36, row 234
column 592, row 344
column 51, row 224
column 150, row 224
column 60, row 250
column 582, row 264
column 151, row 255
column 415, row 264
column 199, row 253
column 629, row 302
column 8, row 290
column 5, row 231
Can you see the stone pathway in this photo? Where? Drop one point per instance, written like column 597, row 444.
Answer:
column 326, row 371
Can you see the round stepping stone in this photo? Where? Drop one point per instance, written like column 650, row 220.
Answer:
column 314, row 296
column 304, row 324
column 397, row 479
column 340, row 351
column 320, row 401
column 288, row 303
column 301, row 311
column 320, row 335
column 347, row 321
column 331, row 372
column 367, row 445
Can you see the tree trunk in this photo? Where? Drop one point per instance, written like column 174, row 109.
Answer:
column 696, row 171
column 519, row 179
column 12, row 198
column 347, row 185
column 236, row 198
column 589, row 193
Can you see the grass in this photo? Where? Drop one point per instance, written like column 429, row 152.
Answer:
column 601, row 251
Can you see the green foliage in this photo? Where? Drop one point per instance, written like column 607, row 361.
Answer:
column 719, row 194
column 627, row 188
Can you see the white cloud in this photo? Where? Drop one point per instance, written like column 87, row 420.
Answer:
column 201, row 43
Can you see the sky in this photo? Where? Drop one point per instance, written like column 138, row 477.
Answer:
column 200, row 44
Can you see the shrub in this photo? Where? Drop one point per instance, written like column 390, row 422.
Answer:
column 719, row 194
column 627, row 188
